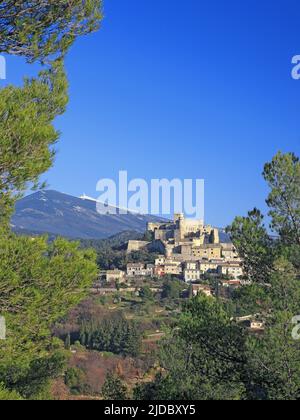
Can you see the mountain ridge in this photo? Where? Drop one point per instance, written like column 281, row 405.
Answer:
column 54, row 213
column 58, row 214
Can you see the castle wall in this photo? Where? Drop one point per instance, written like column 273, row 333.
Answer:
column 134, row 246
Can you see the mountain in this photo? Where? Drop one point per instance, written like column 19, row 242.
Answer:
column 76, row 218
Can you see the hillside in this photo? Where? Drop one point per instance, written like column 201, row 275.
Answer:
column 60, row 214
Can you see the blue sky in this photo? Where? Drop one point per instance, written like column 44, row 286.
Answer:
column 193, row 89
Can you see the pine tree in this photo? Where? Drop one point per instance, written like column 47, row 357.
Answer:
column 114, row 388
column 39, row 282
column 68, row 342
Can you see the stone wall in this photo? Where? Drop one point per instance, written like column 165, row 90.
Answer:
column 134, row 246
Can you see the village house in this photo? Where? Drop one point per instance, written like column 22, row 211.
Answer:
column 160, row 260
column 159, row 271
column 192, row 271
column 195, row 269
column 150, row 268
column 257, row 325
column 209, row 266
column 197, row 289
column 167, row 266
column 115, row 276
column 252, row 322
column 192, row 265
column 229, row 252
column 135, row 269
column 140, row 270
column 234, row 270
column 231, row 283
column 208, row 252
column 173, row 268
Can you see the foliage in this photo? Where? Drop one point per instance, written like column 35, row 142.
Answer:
column 112, row 334
column 254, row 245
column 112, row 253
column 75, row 381
column 251, row 237
column 26, row 131
column 146, row 293
column 148, row 236
column 117, row 242
column 114, row 388
column 283, row 178
column 202, row 359
column 36, row 30
column 39, row 284
column 274, row 361
column 68, row 342
column 39, row 29
column 6, row 395
column 251, row 299
column 141, row 256
column 31, row 379
column 172, row 289
column 211, row 356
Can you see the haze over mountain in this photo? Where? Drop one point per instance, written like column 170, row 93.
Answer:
column 60, row 214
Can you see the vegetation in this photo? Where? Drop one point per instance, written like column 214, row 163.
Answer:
column 210, row 355
column 172, row 289
column 206, row 353
column 75, row 380
column 146, row 293
column 39, row 30
column 114, row 388
column 112, row 334
column 39, row 283
column 112, row 252
column 26, row 132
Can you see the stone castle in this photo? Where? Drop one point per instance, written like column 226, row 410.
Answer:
column 184, row 239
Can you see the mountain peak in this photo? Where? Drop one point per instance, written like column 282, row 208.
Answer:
column 87, row 198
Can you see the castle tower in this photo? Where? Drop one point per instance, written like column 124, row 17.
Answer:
column 180, row 225
column 215, row 237
column 178, row 217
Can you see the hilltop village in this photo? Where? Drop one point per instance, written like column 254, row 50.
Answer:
column 185, row 249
